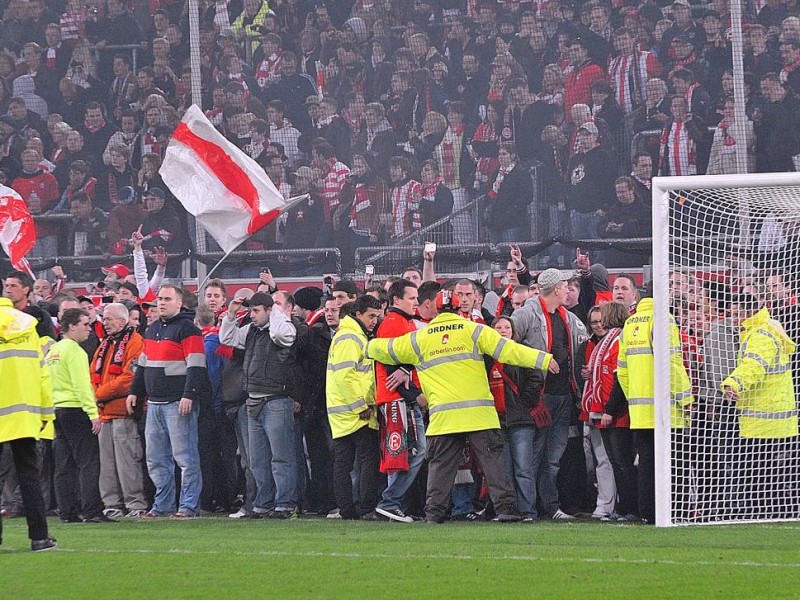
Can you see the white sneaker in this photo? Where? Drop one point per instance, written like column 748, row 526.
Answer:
column 239, row 514
column 134, row 514
column 560, row 515
column 113, row 513
column 334, row 514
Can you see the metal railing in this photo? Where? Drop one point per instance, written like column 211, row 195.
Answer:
column 450, row 258
column 282, row 263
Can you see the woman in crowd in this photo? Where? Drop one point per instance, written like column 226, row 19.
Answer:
column 485, row 145
column 517, row 396
column 436, row 203
column 592, row 374
column 608, row 408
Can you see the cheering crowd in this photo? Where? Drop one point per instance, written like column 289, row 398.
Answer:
column 533, row 400
column 392, row 115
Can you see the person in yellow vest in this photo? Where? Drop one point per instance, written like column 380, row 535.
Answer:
column 449, row 357
column 350, row 397
column 636, row 373
column 762, row 389
column 77, row 453
column 26, row 407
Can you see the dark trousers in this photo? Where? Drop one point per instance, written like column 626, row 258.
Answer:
column 446, row 453
column 645, row 446
column 77, row 456
column 320, row 454
column 618, row 442
column 215, row 439
column 363, row 442
column 27, row 464
column 572, row 478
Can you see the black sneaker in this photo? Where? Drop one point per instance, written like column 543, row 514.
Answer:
column 395, row 514
column 470, row 516
column 507, row 518
column 75, row 519
column 101, row 518
column 43, row 545
column 283, row 514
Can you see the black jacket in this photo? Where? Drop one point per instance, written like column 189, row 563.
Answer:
column 440, row 206
column 510, row 207
column 529, row 383
column 269, row 368
column 312, row 358
column 590, row 179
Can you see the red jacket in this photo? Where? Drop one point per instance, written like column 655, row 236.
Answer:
column 395, row 324
column 598, row 387
column 46, row 187
column 577, row 85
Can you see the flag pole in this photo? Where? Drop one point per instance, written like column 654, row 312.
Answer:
column 289, row 204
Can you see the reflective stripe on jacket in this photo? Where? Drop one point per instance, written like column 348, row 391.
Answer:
column 350, row 384
column 26, row 400
column 448, row 355
column 763, row 380
column 636, row 373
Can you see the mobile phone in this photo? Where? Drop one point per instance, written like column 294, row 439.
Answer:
column 265, row 270
column 107, row 299
column 369, row 269
column 430, row 247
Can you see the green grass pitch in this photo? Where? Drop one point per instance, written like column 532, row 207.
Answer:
column 315, row 558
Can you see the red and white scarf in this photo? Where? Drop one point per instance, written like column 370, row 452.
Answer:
column 448, row 155
column 117, row 344
column 501, row 175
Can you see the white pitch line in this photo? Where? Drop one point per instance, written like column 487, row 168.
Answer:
column 464, row 557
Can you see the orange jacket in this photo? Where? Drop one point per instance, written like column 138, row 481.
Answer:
column 112, row 390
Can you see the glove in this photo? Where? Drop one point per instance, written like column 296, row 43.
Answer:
column 541, row 415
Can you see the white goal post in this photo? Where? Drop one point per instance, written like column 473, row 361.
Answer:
column 719, row 241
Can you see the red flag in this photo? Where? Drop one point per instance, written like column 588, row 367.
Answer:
column 17, row 230
column 225, row 189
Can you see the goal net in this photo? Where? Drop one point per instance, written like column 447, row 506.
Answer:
column 726, row 272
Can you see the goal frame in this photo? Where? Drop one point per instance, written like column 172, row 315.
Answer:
column 661, row 188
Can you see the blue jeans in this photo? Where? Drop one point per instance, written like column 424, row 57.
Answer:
column 400, row 482
column 549, row 447
column 243, row 439
column 525, row 445
column 273, row 456
column 462, row 496
column 172, row 439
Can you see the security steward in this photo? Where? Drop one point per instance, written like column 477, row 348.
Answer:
column 26, row 407
column 350, row 398
column 636, row 374
column 762, row 389
column 449, row 357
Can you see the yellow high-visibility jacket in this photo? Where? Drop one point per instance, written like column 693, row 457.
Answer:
column 763, row 380
column 350, row 380
column 448, row 355
column 26, row 400
column 636, row 370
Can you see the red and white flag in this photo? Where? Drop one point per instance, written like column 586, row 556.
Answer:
column 17, row 229
column 225, row 189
